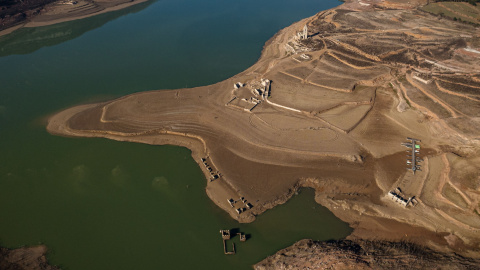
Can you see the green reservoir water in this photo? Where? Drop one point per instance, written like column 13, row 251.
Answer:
column 101, row 204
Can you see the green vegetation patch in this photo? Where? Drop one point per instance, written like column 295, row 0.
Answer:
column 458, row 11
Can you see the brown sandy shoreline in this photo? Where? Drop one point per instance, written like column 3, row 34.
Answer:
column 58, row 13
column 107, row 7
column 339, row 108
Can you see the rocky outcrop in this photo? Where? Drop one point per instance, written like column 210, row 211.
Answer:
column 361, row 254
column 25, row 258
column 13, row 12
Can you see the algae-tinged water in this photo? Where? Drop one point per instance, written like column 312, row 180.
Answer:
column 101, row 204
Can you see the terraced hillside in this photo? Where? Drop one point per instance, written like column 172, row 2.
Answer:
column 418, row 66
column 14, row 12
column 461, row 11
column 32, row 13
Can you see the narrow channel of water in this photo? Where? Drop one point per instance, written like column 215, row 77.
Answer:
column 101, row 204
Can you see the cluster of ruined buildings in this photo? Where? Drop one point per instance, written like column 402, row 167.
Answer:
column 302, row 34
column 264, row 91
column 226, row 235
column 295, row 46
column 425, row 78
column 213, row 174
column 246, row 205
column 260, row 92
column 396, row 196
column 413, row 160
column 69, row 2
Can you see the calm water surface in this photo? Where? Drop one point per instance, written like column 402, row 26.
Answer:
column 101, row 204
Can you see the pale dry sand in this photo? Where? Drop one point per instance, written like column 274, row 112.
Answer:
column 342, row 139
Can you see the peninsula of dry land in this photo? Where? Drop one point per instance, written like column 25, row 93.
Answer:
column 328, row 108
